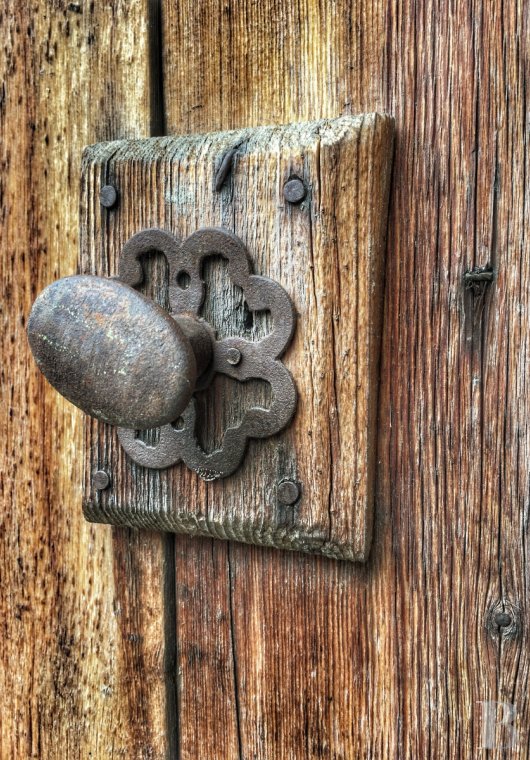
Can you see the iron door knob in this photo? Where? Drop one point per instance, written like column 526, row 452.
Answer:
column 116, row 354
column 126, row 361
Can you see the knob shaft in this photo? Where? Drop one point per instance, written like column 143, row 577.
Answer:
column 112, row 352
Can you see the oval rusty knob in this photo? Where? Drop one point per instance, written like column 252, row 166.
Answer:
column 112, row 352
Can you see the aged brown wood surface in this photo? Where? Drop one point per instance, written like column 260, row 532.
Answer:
column 281, row 655
column 284, row 656
column 84, row 655
column 331, row 268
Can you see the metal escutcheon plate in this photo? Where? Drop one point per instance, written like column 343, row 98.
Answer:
column 255, row 359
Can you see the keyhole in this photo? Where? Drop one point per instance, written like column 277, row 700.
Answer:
column 183, row 280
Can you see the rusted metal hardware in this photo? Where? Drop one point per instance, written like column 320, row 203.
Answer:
column 288, row 492
column 108, row 196
column 224, row 169
column 124, row 360
column 258, row 360
column 294, row 191
column 101, row 480
column 478, row 279
column 112, row 352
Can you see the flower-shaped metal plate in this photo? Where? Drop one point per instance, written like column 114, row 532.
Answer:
column 255, row 359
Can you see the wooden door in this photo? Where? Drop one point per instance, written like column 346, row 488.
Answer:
column 121, row 643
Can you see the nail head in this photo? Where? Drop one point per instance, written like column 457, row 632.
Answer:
column 233, row 356
column 101, row 480
column 294, row 190
column 108, row 196
column 288, row 492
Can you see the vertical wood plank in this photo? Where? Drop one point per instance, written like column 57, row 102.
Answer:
column 390, row 660
column 86, row 671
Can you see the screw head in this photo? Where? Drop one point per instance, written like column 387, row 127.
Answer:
column 294, row 191
column 101, row 480
column 108, row 196
column 233, row 356
column 288, row 492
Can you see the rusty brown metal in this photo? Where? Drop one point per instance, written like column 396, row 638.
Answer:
column 288, row 492
column 101, row 480
column 255, row 359
column 224, row 169
column 124, row 360
column 108, row 196
column 233, row 356
column 294, row 190
column 112, row 352
column 478, row 279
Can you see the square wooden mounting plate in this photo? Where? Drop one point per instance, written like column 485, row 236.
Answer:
column 328, row 253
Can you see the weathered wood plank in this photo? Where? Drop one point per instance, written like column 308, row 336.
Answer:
column 84, row 663
column 333, row 272
column 390, row 660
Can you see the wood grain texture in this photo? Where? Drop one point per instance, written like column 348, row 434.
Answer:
column 84, row 666
column 333, row 271
column 282, row 655
column 392, row 659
